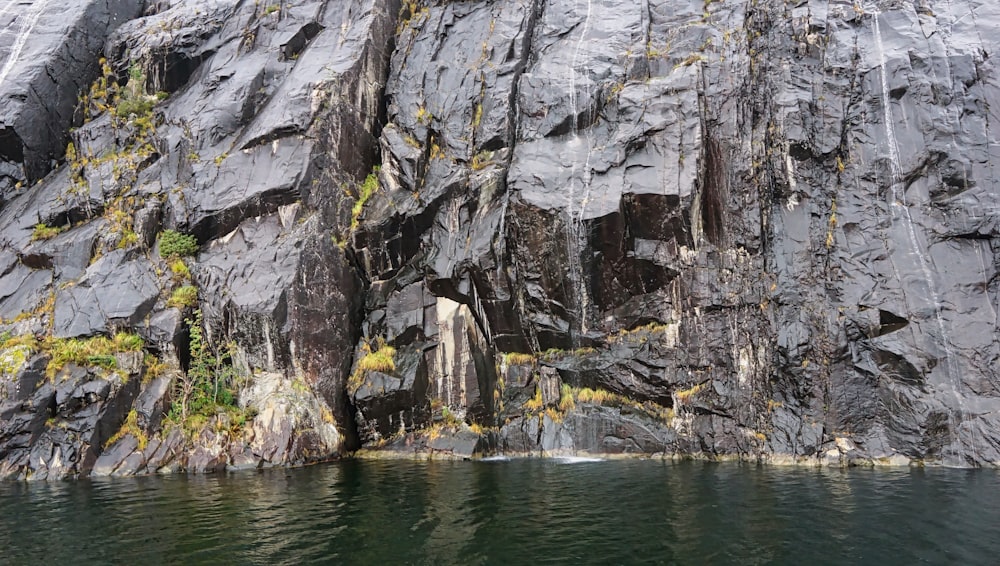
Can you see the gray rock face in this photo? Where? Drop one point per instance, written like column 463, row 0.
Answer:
column 116, row 289
column 729, row 229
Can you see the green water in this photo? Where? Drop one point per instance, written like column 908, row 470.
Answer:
column 511, row 512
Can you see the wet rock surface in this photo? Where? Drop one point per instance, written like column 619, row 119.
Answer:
column 731, row 229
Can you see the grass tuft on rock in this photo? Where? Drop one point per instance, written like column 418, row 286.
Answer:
column 45, row 232
column 381, row 360
column 89, row 352
column 183, row 297
column 130, row 426
column 365, row 192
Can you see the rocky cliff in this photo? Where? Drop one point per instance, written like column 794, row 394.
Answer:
column 244, row 234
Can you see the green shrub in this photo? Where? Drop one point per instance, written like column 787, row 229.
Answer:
column 208, row 388
column 134, row 100
column 174, row 244
column 139, row 106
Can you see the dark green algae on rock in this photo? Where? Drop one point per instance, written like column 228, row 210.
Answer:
column 741, row 229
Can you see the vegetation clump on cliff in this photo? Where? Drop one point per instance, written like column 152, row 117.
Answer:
column 174, row 245
column 209, row 387
column 381, row 359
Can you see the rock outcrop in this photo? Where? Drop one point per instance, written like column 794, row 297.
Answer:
column 738, row 229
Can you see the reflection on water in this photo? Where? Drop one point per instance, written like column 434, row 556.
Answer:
column 511, row 512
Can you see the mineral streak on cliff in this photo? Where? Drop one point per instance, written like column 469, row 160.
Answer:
column 244, row 234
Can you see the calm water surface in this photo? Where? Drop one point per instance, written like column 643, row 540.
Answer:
column 511, row 512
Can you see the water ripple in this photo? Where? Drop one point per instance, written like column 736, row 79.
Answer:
column 511, row 512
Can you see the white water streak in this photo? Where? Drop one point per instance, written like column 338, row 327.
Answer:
column 576, row 239
column 899, row 209
column 31, row 20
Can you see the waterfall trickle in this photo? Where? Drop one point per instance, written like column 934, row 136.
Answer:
column 899, row 215
column 30, row 21
column 576, row 235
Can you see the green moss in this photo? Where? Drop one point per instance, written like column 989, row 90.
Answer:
column 13, row 358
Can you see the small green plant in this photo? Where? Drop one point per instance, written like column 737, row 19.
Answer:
column 45, row 232
column 478, row 117
column 449, row 418
column 174, row 245
column 129, row 238
column 271, row 9
column 481, row 160
column 424, row 116
column 154, row 367
column 183, row 297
